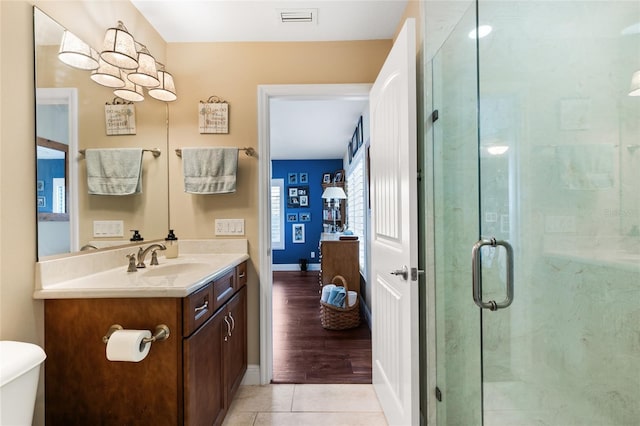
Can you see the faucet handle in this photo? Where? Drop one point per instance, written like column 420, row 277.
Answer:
column 154, row 258
column 132, row 262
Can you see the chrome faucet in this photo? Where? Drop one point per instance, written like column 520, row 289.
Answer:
column 132, row 262
column 142, row 253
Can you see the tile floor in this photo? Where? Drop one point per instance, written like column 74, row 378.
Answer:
column 308, row 405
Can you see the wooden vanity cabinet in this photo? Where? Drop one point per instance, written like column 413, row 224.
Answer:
column 215, row 360
column 189, row 379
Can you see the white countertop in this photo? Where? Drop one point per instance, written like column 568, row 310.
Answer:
column 177, row 277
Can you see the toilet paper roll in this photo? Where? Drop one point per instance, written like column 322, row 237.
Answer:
column 127, row 345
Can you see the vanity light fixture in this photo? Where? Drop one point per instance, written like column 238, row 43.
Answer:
column 130, row 92
column 107, row 75
column 124, row 64
column 635, row 84
column 146, row 75
column 482, row 31
column 76, row 53
column 166, row 90
column 119, row 48
column 497, row 149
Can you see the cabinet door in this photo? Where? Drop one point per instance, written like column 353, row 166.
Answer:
column 203, row 373
column 236, row 345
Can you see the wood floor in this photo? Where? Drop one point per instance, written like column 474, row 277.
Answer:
column 303, row 351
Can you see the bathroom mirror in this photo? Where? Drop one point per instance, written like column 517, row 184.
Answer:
column 70, row 117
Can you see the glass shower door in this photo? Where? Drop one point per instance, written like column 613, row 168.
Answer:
column 537, row 145
column 559, row 182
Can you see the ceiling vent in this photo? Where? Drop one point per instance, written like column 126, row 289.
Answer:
column 298, row 15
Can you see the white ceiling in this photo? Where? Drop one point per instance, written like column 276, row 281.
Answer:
column 300, row 129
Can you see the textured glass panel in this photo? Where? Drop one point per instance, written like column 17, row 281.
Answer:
column 554, row 78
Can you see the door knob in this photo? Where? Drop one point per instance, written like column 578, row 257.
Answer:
column 404, row 272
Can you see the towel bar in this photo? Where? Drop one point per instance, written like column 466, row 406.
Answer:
column 155, row 151
column 247, row 150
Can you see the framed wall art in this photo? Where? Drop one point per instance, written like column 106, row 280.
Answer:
column 120, row 117
column 298, row 197
column 213, row 115
column 298, row 232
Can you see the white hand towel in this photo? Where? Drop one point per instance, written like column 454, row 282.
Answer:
column 114, row 171
column 209, row 170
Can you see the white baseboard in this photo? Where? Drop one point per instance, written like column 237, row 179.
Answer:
column 294, row 267
column 252, row 375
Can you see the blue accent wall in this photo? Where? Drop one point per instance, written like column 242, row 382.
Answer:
column 47, row 170
column 281, row 169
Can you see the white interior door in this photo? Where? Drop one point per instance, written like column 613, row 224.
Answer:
column 394, row 241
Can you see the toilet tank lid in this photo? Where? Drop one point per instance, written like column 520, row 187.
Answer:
column 16, row 358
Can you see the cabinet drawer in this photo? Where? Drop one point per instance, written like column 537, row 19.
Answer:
column 223, row 288
column 197, row 308
column 241, row 275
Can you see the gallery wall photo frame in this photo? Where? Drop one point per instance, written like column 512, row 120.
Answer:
column 41, row 201
column 213, row 116
column 298, row 196
column 327, row 177
column 303, row 178
column 40, row 185
column 292, row 217
column 338, row 176
column 305, row 217
column 297, row 233
column 292, row 178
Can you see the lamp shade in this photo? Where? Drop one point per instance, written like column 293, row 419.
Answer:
column 107, row 75
column 119, row 48
column 130, row 92
column 334, row 193
column 76, row 53
column 146, row 75
column 635, row 84
column 166, row 90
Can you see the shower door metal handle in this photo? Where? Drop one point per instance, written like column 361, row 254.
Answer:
column 476, row 274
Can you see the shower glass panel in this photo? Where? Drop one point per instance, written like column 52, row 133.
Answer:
column 559, row 179
column 538, row 144
column 456, row 227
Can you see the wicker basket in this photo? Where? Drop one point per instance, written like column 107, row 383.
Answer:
column 335, row 318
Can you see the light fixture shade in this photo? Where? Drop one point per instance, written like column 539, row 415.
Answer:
column 635, row 84
column 119, row 48
column 334, row 193
column 130, row 92
column 107, row 75
column 76, row 53
column 166, row 91
column 146, row 75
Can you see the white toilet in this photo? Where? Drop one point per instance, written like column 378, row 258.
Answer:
column 19, row 374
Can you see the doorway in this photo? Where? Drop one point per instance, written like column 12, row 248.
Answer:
column 265, row 95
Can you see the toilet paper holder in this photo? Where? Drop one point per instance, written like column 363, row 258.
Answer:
column 162, row 333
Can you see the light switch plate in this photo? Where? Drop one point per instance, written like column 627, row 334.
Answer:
column 229, row 227
column 108, row 228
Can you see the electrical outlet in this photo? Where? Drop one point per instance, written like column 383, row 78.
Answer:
column 313, row 254
column 560, row 224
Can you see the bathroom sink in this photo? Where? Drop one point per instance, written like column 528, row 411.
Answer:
column 173, row 269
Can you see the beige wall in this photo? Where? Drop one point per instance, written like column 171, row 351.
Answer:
column 233, row 72
column 21, row 317
column 229, row 70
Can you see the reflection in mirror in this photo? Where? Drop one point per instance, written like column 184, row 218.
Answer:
column 70, row 117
